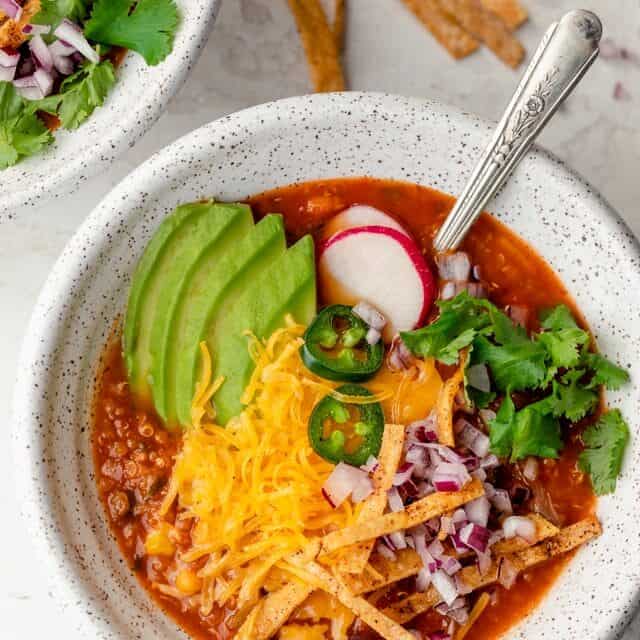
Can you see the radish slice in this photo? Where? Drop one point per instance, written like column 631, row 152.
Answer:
column 360, row 215
column 382, row 266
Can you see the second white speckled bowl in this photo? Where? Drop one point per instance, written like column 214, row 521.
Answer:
column 273, row 145
column 135, row 103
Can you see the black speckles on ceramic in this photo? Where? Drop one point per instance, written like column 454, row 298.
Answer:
column 276, row 144
column 135, row 103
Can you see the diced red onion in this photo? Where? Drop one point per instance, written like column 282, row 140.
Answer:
column 476, row 290
column 495, row 536
column 7, row 74
column 72, row 34
column 439, row 635
column 11, row 9
column 450, row 565
column 478, row 377
column 60, row 48
column 420, row 542
column 370, row 315
column 423, row 579
column 459, row 517
column 446, row 525
column 9, row 59
column 450, row 477
column 416, row 455
column 501, row 501
column 448, row 291
column 458, row 546
column 422, row 431
column 373, row 336
column 484, row 562
column 475, row 537
column 41, row 52
column 447, row 454
column 400, row 358
column 63, row 64
column 362, row 490
column 530, row 469
column 403, row 474
column 29, row 88
column 519, row 526
column 342, row 481
column 398, row 540
column 394, row 500
column 454, row 266
column 473, row 439
column 478, row 511
column 507, row 573
column 433, row 525
column 436, row 549
column 370, row 465
column 490, row 462
column 445, row 586
column 385, row 551
column 36, row 29
column 519, row 314
column 479, row 474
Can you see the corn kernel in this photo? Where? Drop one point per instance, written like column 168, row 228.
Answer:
column 188, row 582
column 158, row 542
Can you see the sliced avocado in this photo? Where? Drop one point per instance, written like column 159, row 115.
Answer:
column 214, row 286
column 206, row 224
column 287, row 286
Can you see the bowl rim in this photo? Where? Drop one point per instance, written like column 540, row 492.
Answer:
column 27, row 480
column 192, row 35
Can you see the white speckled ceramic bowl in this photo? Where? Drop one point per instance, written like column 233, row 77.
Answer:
column 135, row 103
column 273, row 145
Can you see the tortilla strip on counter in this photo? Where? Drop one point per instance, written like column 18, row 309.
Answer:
column 511, row 12
column 319, row 45
column 487, row 27
column 569, row 538
column 443, row 27
column 420, row 511
column 354, row 559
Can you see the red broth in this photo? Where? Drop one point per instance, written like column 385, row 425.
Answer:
column 133, row 454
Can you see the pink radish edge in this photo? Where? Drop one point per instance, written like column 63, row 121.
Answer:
column 410, row 247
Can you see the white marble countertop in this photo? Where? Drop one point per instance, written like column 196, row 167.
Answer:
column 253, row 56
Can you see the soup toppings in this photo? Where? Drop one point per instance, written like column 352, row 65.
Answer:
column 385, row 467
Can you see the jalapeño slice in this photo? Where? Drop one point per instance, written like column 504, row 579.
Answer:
column 345, row 432
column 335, row 346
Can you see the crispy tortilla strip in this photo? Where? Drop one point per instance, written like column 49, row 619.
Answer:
column 319, row 45
column 407, row 563
column 371, row 616
column 273, row 611
column 569, row 538
column 339, row 22
column 476, row 612
column 11, row 35
column 488, row 28
column 511, row 12
column 443, row 27
column 544, row 530
column 444, row 406
column 424, row 509
column 354, row 559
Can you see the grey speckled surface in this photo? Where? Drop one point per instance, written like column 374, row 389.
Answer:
column 252, row 57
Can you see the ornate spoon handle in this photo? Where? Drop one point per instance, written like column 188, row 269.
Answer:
column 566, row 51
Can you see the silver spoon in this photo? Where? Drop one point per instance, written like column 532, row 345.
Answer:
column 566, row 51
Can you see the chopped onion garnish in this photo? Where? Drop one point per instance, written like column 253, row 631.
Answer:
column 11, row 9
column 445, row 586
column 446, row 525
column 450, row 565
column 439, row 635
column 36, row 29
column 443, row 452
column 476, row 537
column 454, row 266
column 476, row 290
column 450, row 477
column 478, row 377
column 478, row 511
column 422, row 431
column 403, row 474
column 60, row 48
column 400, row 358
column 423, row 579
column 7, row 74
column 519, row 314
column 385, row 551
column 530, row 469
column 29, row 87
column 41, row 52
column 519, row 526
column 370, row 465
column 373, row 336
column 479, row 474
column 458, row 545
column 490, row 462
column 394, row 499
column 473, row 439
column 507, row 573
column 72, row 34
column 9, row 59
column 370, row 315
column 398, row 540
column 501, row 501
column 448, row 291
column 362, row 490
column 342, row 482
column 416, row 455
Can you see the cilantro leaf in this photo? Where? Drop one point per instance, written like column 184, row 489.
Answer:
column 22, row 133
column 606, row 442
column 535, row 433
column 53, row 11
column 558, row 318
column 605, row 372
column 480, row 399
column 460, row 320
column 519, row 365
column 82, row 92
column 563, row 345
column 571, row 399
column 146, row 26
column 501, row 428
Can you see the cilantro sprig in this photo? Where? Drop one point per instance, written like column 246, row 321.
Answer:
column 554, row 364
column 52, row 12
column 145, row 26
